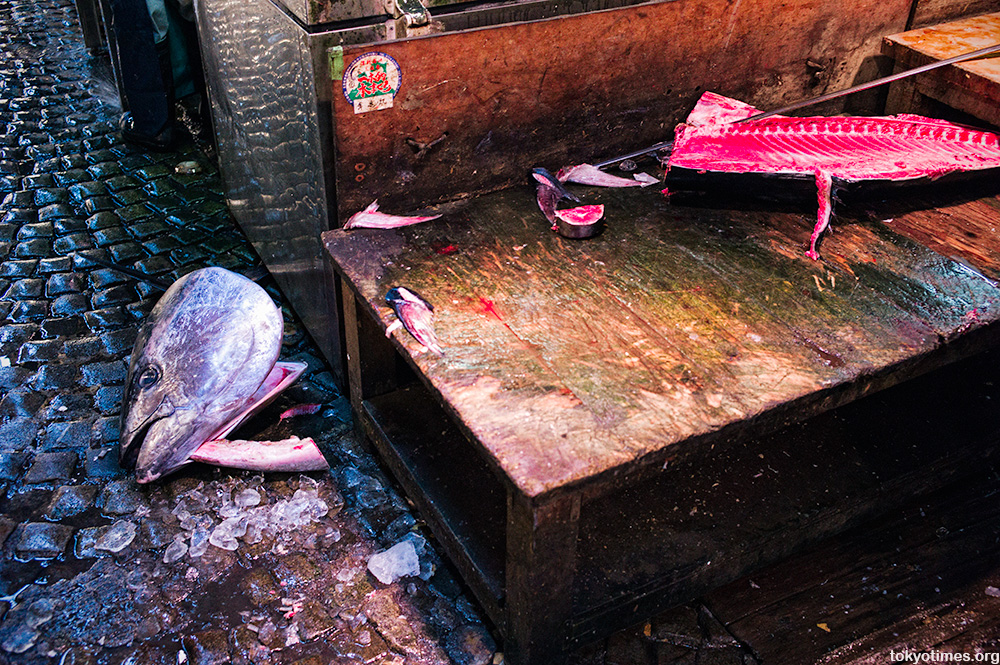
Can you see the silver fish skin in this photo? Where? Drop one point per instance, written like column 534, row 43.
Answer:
column 585, row 174
column 416, row 315
column 205, row 349
column 371, row 218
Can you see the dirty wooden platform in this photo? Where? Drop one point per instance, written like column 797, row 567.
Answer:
column 620, row 411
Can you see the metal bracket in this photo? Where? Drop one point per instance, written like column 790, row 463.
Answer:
column 412, row 12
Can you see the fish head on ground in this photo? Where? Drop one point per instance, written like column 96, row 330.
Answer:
column 200, row 356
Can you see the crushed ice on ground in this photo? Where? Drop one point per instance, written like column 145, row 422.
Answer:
column 400, row 560
column 242, row 513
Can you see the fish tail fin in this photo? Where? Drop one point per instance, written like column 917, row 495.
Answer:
column 824, row 187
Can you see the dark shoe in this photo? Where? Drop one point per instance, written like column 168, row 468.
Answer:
column 161, row 142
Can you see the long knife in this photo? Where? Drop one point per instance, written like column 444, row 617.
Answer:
column 666, row 145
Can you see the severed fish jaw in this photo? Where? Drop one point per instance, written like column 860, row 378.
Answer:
column 586, row 174
column 416, row 315
column 550, row 191
column 291, row 454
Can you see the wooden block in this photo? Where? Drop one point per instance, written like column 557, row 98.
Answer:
column 972, row 87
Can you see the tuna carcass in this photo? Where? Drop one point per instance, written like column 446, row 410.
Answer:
column 204, row 361
column 828, row 149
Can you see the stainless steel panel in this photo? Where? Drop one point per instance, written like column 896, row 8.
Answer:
column 270, row 97
column 313, row 12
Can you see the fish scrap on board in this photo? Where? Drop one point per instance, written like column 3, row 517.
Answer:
column 204, row 361
column 580, row 222
column 587, row 174
column 415, row 314
column 371, row 218
column 831, row 150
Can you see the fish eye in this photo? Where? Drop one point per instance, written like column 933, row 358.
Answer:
column 148, row 378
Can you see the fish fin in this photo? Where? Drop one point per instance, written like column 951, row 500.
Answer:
column 282, row 375
column 824, row 186
column 372, row 207
column 547, row 198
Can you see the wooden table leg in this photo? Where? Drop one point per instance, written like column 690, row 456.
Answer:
column 541, row 564
column 371, row 360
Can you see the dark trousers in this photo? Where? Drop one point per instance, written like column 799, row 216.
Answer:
column 147, row 92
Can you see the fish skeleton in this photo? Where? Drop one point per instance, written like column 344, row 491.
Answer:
column 415, row 314
column 371, row 218
column 203, row 362
column 828, row 149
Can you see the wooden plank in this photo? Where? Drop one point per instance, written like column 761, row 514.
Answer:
column 718, row 515
column 916, row 581
column 540, row 92
column 930, row 12
column 600, row 345
column 972, row 87
column 968, row 231
column 541, row 563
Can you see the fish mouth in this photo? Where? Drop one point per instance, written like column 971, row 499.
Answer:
column 133, row 437
column 131, row 443
column 167, row 443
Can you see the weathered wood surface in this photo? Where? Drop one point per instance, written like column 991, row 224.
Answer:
column 478, row 108
column 567, row 360
column 968, row 231
column 917, row 580
column 929, row 12
column 972, row 87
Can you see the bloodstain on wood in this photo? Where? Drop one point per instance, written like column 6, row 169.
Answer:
column 677, row 325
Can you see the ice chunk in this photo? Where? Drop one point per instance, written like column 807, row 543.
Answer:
column 224, row 536
column 117, row 538
column 229, row 509
column 400, row 560
column 199, row 542
column 248, row 498
column 175, row 550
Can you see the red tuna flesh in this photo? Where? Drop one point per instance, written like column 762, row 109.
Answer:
column 901, row 147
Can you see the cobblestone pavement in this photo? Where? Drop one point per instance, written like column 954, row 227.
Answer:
column 210, row 566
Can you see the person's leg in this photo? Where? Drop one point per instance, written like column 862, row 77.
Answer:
column 146, row 82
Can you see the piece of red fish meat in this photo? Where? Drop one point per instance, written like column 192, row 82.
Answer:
column 847, row 148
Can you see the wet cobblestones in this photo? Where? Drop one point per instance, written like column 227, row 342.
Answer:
column 226, row 567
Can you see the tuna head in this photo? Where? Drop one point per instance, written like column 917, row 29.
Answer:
column 206, row 347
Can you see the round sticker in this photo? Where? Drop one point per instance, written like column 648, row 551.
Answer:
column 371, row 82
